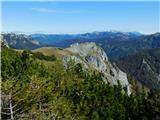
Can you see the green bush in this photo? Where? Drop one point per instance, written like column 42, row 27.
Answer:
column 41, row 56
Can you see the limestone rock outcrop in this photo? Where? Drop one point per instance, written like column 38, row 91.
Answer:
column 92, row 56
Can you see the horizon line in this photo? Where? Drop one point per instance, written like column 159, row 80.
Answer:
column 80, row 1
column 72, row 33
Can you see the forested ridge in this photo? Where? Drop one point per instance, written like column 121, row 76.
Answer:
column 32, row 90
column 144, row 66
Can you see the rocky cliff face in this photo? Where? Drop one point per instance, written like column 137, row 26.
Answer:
column 3, row 42
column 93, row 57
column 20, row 41
column 144, row 67
column 148, row 75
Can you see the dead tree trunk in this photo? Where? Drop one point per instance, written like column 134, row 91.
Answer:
column 11, row 107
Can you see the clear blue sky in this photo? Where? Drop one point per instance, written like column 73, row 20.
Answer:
column 79, row 17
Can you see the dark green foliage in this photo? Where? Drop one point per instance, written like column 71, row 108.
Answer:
column 41, row 56
column 40, row 92
column 11, row 63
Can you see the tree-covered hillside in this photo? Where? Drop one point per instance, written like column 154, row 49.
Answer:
column 144, row 66
column 33, row 90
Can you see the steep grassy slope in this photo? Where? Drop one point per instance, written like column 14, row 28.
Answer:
column 52, row 51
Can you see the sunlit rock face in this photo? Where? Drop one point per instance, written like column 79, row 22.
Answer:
column 93, row 57
column 3, row 42
column 148, row 75
column 20, row 41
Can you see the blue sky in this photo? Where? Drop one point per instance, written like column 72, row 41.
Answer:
column 80, row 17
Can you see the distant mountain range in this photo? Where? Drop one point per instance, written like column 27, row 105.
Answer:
column 56, row 39
column 116, row 44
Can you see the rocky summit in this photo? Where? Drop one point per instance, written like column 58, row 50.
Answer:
column 93, row 57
